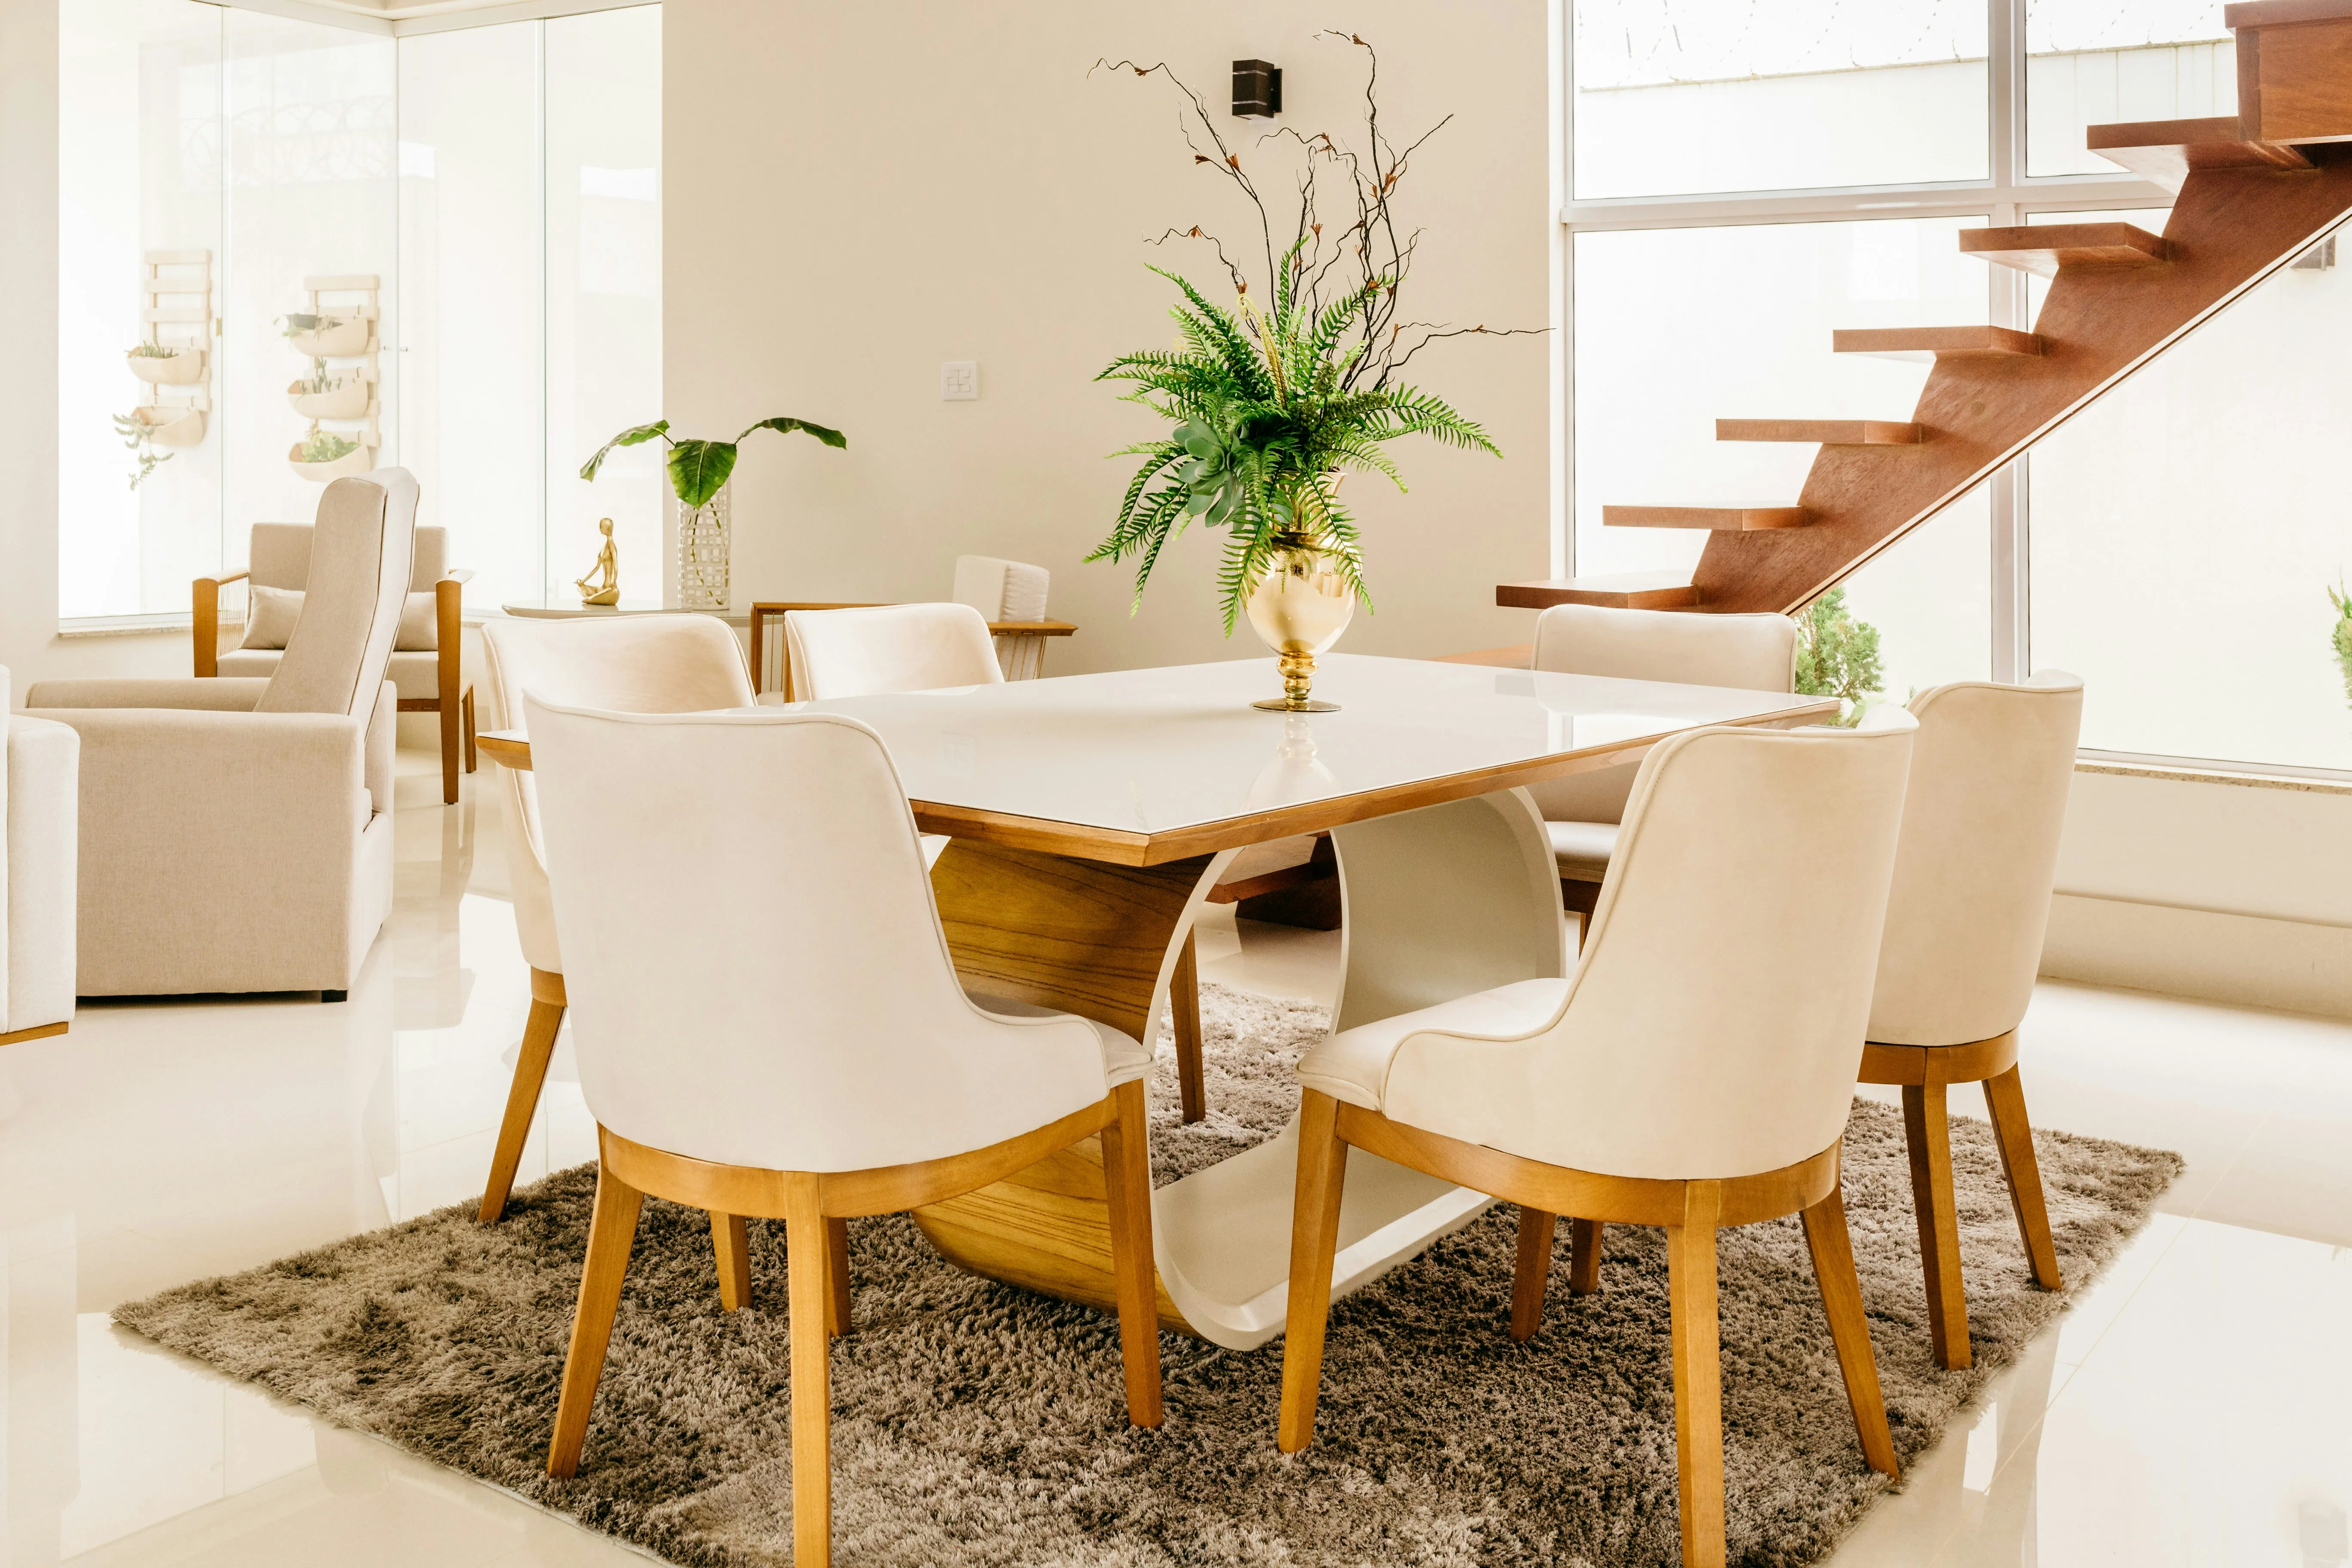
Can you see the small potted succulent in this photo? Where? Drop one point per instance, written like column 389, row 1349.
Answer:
column 325, row 335
column 324, row 455
column 167, row 365
column 330, row 395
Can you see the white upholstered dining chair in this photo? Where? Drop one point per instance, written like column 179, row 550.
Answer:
column 1989, row 776
column 236, row 834
column 631, row 664
column 37, row 809
column 426, row 665
column 889, row 647
column 1004, row 590
column 1581, row 812
column 790, row 1040
column 1694, row 1072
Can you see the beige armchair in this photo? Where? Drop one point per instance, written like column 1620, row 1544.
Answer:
column 426, row 669
column 236, row 833
column 36, row 876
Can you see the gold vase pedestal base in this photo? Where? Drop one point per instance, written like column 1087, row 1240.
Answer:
column 1297, row 663
column 1298, row 705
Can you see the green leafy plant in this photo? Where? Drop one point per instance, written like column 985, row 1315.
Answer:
column 296, row 324
column 1272, row 400
column 317, row 382
column 2342, row 637
column 1837, row 656
column 324, row 447
column 698, row 468
column 138, row 436
column 154, row 351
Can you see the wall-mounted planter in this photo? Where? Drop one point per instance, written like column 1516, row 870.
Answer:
column 172, row 424
column 346, row 398
column 353, row 462
column 175, row 369
column 342, row 338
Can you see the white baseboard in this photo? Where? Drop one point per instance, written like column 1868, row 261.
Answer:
column 2243, row 959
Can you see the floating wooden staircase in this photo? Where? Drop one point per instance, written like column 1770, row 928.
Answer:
column 2251, row 193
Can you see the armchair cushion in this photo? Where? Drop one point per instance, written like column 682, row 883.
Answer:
column 215, row 695
column 415, row 674
column 273, row 612
column 1353, row 1065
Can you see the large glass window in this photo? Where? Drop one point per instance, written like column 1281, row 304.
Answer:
column 497, row 188
column 2096, row 62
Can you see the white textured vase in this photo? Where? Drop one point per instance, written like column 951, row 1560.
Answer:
column 702, row 548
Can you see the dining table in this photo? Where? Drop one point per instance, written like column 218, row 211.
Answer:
column 1089, row 816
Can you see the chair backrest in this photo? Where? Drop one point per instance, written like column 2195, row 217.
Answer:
column 279, row 556
column 1989, row 776
column 361, row 550
column 1001, row 590
column 890, row 648
column 1715, row 1023
column 631, row 664
column 1754, row 653
column 758, row 975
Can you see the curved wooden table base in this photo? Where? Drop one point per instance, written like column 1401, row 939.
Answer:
column 1926, row 1074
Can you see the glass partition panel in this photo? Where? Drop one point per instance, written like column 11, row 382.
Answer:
column 605, row 293
column 2095, row 62
column 139, row 175
column 471, row 299
column 1676, row 327
column 2187, row 527
column 1929, row 598
column 1675, row 97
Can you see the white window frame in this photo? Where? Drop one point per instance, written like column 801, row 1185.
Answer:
column 2009, row 197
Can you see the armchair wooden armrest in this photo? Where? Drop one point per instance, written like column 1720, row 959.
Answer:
column 205, row 621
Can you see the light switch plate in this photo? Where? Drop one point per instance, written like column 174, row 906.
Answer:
column 959, row 380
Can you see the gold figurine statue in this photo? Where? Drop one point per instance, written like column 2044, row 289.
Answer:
column 603, row 586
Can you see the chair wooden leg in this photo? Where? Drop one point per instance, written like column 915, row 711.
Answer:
column 731, row 1238
column 836, row 1246
column 611, row 1233
column 1184, row 1003
column 2005, row 1097
column 539, row 1031
column 1532, row 1270
column 451, row 746
column 808, row 1266
column 1127, row 1182
column 1927, row 1132
column 1314, row 1238
column 467, row 703
column 1584, row 1256
column 1832, row 1249
column 1699, row 1375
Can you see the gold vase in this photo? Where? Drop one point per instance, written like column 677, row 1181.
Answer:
column 1300, row 607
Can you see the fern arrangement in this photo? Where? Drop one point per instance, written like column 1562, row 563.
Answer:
column 2342, row 637
column 1274, row 399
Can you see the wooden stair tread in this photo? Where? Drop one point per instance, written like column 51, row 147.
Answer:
column 2046, row 248
column 1828, row 432
column 1720, row 518
column 2164, row 151
column 1617, row 591
column 2294, row 69
column 1933, row 343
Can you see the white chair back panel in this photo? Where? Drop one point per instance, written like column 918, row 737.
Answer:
column 355, row 585
column 1714, row 1025
column 756, row 970
column 889, row 647
column 1401, row 875
column 1989, row 778
column 279, row 556
column 1006, row 590
column 630, row 664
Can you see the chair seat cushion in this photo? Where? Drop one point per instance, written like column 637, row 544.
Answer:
column 410, row 674
column 1124, row 1060
column 1582, row 849
column 1353, row 1065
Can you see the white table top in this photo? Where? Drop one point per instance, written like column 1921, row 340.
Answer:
column 1151, row 753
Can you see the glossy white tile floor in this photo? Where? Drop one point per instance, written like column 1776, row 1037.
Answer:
column 2195, row 1408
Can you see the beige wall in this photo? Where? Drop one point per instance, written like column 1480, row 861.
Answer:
column 854, row 193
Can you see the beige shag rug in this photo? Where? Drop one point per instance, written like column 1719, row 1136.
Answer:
column 976, row 1423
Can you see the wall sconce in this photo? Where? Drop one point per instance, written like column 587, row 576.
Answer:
column 1257, row 88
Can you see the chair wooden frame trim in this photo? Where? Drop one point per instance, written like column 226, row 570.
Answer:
column 1925, row 1074
column 814, row 1205
column 762, row 608
column 453, row 698
column 1690, row 1212
column 39, row 1031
